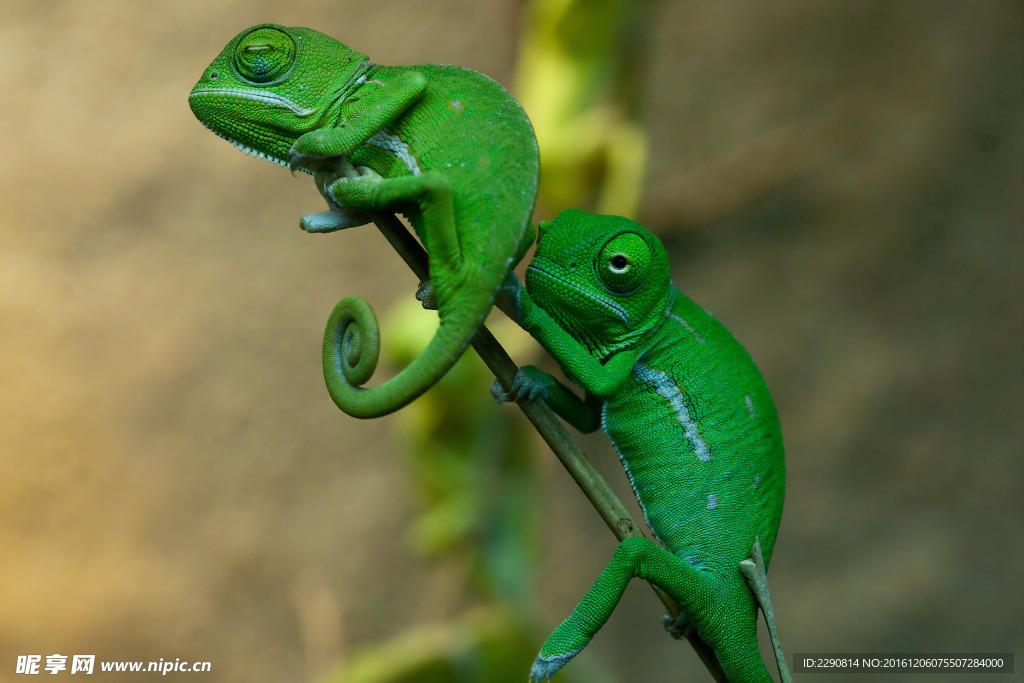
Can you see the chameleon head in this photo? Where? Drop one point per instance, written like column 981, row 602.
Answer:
column 271, row 84
column 603, row 278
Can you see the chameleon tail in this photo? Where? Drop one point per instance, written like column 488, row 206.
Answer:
column 352, row 345
column 732, row 633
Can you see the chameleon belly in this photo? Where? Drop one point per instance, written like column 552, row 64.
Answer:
column 699, row 437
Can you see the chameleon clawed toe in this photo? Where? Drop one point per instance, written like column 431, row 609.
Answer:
column 678, row 627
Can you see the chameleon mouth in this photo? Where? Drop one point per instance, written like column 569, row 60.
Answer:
column 273, row 99
column 612, row 307
column 205, row 101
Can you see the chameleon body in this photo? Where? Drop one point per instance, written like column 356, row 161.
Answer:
column 446, row 146
column 686, row 409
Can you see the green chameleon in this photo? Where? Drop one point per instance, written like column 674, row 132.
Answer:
column 690, row 416
column 448, row 147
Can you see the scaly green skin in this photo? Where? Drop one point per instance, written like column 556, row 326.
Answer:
column 446, row 146
column 688, row 413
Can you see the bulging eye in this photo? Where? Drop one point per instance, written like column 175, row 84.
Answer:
column 619, row 263
column 624, row 262
column 264, row 55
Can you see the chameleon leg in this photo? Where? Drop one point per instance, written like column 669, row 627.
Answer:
column 530, row 382
column 378, row 110
column 339, row 217
column 635, row 557
column 753, row 571
column 429, row 192
column 732, row 633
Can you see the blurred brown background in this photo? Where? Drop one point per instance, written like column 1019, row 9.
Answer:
column 841, row 183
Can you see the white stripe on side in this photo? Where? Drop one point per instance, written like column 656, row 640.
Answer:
column 688, row 326
column 389, row 142
column 667, row 389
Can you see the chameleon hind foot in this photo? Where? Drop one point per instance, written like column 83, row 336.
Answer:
column 507, row 299
column 427, row 295
column 636, row 557
column 545, row 667
column 753, row 571
column 678, row 627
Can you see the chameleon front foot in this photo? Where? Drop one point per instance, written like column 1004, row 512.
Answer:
column 330, row 221
column 315, row 150
column 545, row 667
column 529, row 383
column 339, row 217
column 306, row 163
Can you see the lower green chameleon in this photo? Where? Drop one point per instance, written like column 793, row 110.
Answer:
column 689, row 414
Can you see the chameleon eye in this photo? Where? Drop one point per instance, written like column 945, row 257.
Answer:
column 264, row 55
column 624, row 262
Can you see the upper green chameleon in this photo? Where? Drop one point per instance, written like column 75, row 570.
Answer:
column 446, row 146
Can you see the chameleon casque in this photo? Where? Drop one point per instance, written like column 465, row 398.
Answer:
column 446, row 146
column 689, row 415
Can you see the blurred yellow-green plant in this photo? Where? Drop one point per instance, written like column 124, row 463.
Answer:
column 484, row 645
column 474, row 471
column 578, row 77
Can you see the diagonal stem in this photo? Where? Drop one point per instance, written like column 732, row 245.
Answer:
column 550, row 428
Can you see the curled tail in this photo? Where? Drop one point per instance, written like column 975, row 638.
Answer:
column 352, row 347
